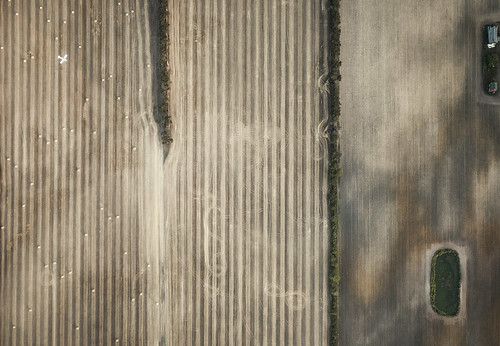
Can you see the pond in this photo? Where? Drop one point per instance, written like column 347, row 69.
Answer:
column 445, row 282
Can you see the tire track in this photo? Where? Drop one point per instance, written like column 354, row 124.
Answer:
column 5, row 170
column 59, row 313
column 309, row 108
column 246, row 163
column 82, row 329
column 198, row 269
column 269, row 326
column 225, row 101
column 32, row 247
column 324, row 227
column 68, row 305
column 23, row 233
column 3, row 167
column 238, row 86
column 45, row 186
column 119, row 297
column 256, row 184
column 15, row 193
column 300, row 94
column 38, row 278
column 112, row 221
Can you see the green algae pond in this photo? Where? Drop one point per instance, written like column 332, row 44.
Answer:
column 445, row 282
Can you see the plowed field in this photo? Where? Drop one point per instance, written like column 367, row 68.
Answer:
column 420, row 172
column 103, row 239
column 246, row 174
column 81, row 175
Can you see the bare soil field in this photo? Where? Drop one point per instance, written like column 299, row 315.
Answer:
column 246, row 174
column 420, row 168
column 104, row 240
column 81, row 199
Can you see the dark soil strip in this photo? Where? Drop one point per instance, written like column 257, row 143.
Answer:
column 334, row 170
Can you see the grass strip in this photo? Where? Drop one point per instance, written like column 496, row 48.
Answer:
column 334, row 170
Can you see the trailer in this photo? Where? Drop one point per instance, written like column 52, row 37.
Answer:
column 492, row 35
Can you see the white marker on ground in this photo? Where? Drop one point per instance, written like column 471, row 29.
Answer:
column 62, row 58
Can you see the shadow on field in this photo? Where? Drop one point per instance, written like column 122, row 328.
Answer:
column 469, row 146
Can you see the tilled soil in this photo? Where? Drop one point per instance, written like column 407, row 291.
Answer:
column 103, row 240
column 246, row 174
column 420, row 168
column 80, row 175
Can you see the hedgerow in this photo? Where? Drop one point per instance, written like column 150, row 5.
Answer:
column 163, row 119
column 334, row 170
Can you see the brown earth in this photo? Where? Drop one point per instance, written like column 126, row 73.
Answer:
column 420, row 168
column 80, row 175
column 224, row 242
column 246, row 194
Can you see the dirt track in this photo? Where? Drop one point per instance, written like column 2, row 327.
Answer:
column 81, row 175
column 420, row 167
column 246, row 193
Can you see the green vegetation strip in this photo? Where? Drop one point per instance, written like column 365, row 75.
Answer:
column 334, row 170
column 445, row 282
column 164, row 121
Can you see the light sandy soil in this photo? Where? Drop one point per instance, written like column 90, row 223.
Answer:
column 420, row 167
column 81, row 179
column 246, row 174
